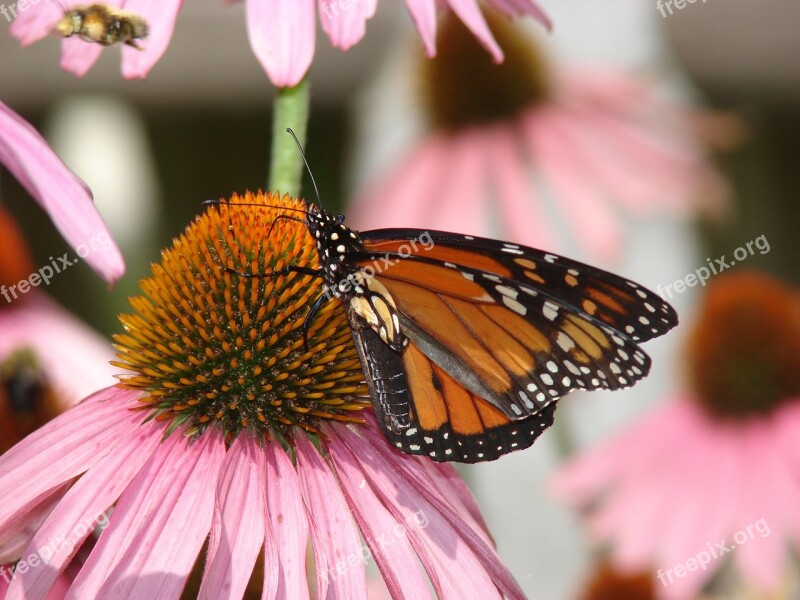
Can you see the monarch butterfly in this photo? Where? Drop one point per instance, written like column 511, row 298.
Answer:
column 466, row 342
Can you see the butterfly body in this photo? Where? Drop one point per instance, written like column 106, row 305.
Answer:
column 368, row 301
column 467, row 343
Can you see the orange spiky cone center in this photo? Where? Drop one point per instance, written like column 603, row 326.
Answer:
column 208, row 346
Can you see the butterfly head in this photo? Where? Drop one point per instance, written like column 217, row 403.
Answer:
column 333, row 238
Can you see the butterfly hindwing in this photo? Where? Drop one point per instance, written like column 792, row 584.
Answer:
column 424, row 411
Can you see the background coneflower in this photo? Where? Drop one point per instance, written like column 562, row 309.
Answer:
column 232, row 433
column 49, row 360
column 718, row 463
column 530, row 147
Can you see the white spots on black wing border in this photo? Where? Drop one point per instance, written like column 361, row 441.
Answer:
column 446, row 445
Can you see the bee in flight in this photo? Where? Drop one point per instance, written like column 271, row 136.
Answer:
column 103, row 24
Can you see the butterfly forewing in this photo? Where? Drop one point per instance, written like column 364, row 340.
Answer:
column 615, row 301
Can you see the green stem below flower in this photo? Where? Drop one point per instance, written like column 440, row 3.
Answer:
column 286, row 164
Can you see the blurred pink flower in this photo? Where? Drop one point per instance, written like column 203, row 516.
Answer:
column 679, row 482
column 713, row 476
column 282, row 32
column 170, row 493
column 601, row 144
column 49, row 360
column 58, row 191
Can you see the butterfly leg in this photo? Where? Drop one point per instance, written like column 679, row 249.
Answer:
column 312, row 311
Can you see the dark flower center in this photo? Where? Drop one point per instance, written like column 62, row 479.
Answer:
column 609, row 584
column 464, row 87
column 210, row 346
column 744, row 355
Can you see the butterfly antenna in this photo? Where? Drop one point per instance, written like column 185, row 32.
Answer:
column 303, row 154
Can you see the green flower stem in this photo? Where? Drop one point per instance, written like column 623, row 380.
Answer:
column 286, row 164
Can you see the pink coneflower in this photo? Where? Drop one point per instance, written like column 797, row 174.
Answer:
column 507, row 141
column 282, row 32
column 232, row 432
column 712, row 477
column 66, row 198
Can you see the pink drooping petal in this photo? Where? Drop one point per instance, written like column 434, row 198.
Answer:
column 584, row 207
column 78, row 56
column 451, row 486
column 288, row 520
column 787, row 424
column 774, row 499
column 65, row 197
column 160, row 17
column 589, row 474
column 384, row 535
column 458, row 202
column 159, row 524
column 523, row 218
column 337, row 546
column 37, row 22
column 18, row 534
column 74, row 358
column 59, row 451
column 517, row 8
column 237, row 531
column 650, row 475
column 346, row 24
column 612, row 89
column 423, row 13
column 404, row 484
column 675, row 540
column 404, row 197
column 83, row 508
column 642, row 146
column 282, row 36
column 470, row 13
column 617, row 179
column 722, row 482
